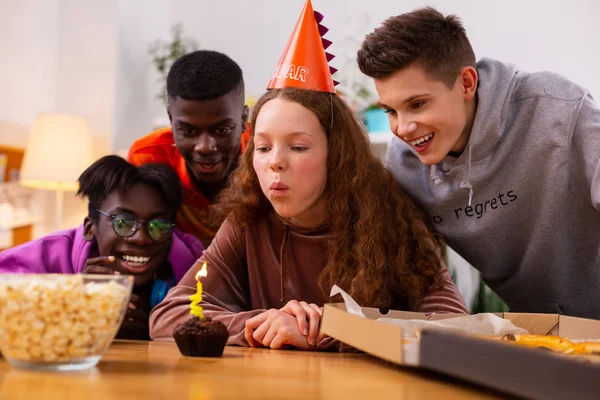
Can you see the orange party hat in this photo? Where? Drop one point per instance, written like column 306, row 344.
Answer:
column 304, row 62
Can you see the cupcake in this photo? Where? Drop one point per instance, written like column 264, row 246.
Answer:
column 201, row 337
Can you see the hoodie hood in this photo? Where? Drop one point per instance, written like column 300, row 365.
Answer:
column 494, row 83
column 290, row 228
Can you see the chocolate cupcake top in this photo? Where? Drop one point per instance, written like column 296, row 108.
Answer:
column 197, row 326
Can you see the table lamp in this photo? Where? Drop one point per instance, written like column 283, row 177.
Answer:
column 59, row 149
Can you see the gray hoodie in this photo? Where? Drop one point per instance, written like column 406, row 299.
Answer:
column 522, row 202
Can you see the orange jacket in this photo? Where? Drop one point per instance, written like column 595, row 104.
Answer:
column 159, row 147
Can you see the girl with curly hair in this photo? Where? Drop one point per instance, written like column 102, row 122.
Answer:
column 310, row 205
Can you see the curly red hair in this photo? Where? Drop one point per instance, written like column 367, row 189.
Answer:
column 381, row 244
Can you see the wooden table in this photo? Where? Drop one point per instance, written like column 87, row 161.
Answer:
column 155, row 370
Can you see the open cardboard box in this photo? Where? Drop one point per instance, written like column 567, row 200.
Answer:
column 531, row 373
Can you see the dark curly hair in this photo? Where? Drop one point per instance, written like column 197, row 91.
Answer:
column 204, row 75
column 381, row 244
column 114, row 174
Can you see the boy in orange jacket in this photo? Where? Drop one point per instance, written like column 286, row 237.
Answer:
column 208, row 119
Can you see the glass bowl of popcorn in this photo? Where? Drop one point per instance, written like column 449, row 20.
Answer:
column 60, row 322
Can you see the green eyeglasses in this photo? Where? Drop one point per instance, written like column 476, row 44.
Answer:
column 126, row 225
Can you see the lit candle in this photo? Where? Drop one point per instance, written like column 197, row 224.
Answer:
column 195, row 308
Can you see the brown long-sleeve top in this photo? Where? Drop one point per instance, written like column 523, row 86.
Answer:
column 263, row 266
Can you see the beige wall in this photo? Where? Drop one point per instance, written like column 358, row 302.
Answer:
column 57, row 55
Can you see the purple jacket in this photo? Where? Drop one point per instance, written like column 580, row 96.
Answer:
column 66, row 252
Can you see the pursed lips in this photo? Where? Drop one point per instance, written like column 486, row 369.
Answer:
column 278, row 186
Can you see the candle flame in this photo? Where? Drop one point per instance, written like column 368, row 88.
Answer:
column 201, row 272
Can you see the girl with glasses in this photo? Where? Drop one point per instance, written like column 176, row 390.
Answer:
column 128, row 230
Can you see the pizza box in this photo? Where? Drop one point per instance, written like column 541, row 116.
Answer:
column 516, row 370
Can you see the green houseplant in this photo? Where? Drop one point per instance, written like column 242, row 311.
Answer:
column 365, row 104
column 164, row 53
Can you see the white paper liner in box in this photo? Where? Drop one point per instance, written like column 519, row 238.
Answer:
column 479, row 324
column 485, row 324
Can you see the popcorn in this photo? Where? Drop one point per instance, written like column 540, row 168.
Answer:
column 57, row 320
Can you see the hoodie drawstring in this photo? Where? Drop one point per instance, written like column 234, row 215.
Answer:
column 434, row 176
column 466, row 183
column 281, row 264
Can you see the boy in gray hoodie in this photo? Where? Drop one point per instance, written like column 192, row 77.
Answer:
column 506, row 162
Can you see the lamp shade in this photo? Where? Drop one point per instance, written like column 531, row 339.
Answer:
column 58, row 151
